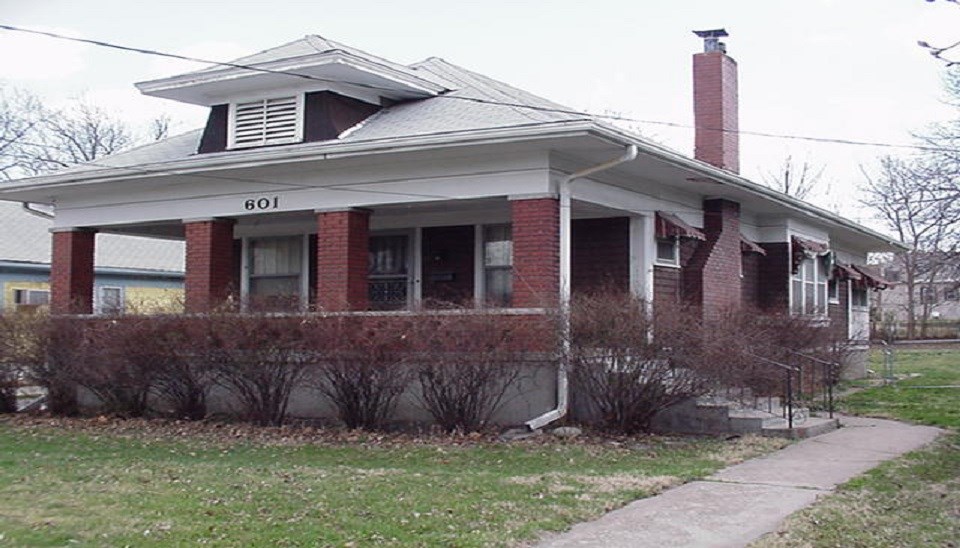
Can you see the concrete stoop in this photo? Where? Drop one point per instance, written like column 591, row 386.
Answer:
column 716, row 416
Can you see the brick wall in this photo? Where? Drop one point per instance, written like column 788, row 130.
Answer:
column 715, row 108
column 839, row 313
column 448, row 264
column 210, row 275
column 343, row 245
column 536, row 252
column 71, row 272
column 774, row 277
column 600, row 255
column 711, row 280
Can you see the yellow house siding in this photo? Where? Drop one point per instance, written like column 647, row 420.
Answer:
column 10, row 287
column 152, row 300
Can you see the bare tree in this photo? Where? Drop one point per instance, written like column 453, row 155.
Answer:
column 795, row 179
column 19, row 114
column 37, row 139
column 943, row 52
column 913, row 199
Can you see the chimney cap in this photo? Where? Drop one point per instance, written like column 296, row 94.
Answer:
column 711, row 39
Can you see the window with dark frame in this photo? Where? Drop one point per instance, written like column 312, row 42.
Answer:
column 668, row 251
column 859, row 297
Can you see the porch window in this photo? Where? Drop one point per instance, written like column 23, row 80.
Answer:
column 388, row 274
column 809, row 288
column 276, row 269
column 668, row 252
column 110, row 300
column 498, row 264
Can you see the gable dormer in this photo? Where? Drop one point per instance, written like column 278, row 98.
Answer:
column 311, row 89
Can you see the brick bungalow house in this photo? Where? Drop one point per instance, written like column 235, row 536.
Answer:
column 342, row 181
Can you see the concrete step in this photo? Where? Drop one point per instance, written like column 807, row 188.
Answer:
column 812, row 426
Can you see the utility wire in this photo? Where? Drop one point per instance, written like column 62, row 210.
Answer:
column 554, row 110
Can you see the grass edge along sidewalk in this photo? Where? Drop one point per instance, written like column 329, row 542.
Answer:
column 910, row 501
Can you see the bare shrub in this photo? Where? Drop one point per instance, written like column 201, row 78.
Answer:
column 58, row 339
column 260, row 360
column 185, row 376
column 629, row 364
column 466, row 363
column 362, row 368
column 20, row 349
column 119, row 360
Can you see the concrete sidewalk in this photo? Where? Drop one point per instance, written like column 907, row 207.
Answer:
column 741, row 503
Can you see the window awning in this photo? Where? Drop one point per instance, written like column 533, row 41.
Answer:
column 747, row 246
column 846, row 272
column 801, row 248
column 670, row 226
column 871, row 278
column 810, row 247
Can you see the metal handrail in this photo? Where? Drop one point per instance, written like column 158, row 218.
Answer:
column 789, row 370
column 829, row 369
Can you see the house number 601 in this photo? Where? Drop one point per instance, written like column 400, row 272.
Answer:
column 261, row 203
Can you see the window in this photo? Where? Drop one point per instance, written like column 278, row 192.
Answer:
column 833, row 291
column 388, row 272
column 928, row 295
column 498, row 264
column 859, row 297
column 275, row 271
column 110, row 300
column 30, row 298
column 809, row 288
column 668, row 251
column 262, row 122
column 951, row 294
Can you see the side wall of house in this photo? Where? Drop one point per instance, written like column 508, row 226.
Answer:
column 600, row 254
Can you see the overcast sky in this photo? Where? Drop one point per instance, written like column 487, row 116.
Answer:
column 846, row 69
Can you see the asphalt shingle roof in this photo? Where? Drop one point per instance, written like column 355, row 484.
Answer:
column 26, row 238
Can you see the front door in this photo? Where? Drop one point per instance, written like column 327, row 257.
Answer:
column 389, row 273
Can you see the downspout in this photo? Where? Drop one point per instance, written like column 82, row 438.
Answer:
column 565, row 251
column 35, row 212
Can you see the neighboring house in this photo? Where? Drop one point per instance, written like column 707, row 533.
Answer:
column 936, row 299
column 342, row 181
column 131, row 274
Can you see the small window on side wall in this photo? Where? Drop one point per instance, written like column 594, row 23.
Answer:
column 668, row 252
column 859, row 297
column 833, row 291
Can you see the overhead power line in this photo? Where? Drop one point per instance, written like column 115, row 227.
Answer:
column 614, row 117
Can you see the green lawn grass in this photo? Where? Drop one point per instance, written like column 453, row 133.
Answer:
column 910, row 501
column 82, row 487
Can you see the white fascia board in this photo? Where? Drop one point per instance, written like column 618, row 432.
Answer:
column 721, row 176
column 595, row 192
column 403, row 76
column 34, row 188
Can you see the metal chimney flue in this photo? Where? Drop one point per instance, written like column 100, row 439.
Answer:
column 711, row 40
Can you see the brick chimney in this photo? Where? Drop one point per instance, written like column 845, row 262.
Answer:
column 715, row 103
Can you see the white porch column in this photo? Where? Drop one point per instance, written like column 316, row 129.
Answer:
column 643, row 254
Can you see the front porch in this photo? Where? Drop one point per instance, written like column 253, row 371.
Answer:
column 483, row 253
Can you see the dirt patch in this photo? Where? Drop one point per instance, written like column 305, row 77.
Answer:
column 556, row 482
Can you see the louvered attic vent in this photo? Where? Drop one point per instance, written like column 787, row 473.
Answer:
column 274, row 121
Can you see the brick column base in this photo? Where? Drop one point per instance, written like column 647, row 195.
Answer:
column 209, row 277
column 71, row 272
column 536, row 252
column 343, row 247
